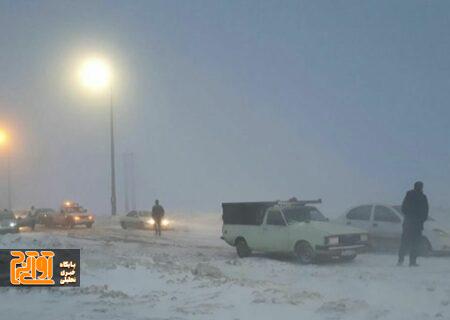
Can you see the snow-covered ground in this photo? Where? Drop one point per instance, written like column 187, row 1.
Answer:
column 189, row 273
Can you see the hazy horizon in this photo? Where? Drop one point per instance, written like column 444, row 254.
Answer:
column 228, row 101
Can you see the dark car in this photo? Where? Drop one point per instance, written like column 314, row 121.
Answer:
column 26, row 218
column 8, row 222
column 42, row 214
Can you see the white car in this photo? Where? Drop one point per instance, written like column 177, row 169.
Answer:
column 142, row 220
column 292, row 227
column 384, row 226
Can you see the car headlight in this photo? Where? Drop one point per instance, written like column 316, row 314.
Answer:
column 12, row 224
column 165, row 222
column 151, row 221
column 332, row 241
column 76, row 218
column 90, row 217
column 441, row 233
column 364, row 237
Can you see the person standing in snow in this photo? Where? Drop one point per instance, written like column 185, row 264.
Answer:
column 157, row 215
column 415, row 210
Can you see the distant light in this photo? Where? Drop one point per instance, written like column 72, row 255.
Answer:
column 95, row 74
column 3, row 138
column 67, row 203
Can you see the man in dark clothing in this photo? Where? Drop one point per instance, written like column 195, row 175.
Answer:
column 415, row 210
column 157, row 215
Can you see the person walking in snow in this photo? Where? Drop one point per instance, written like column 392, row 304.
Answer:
column 157, row 215
column 415, row 210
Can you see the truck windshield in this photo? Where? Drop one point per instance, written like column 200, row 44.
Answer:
column 74, row 210
column 302, row 214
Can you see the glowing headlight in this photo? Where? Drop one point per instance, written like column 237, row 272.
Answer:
column 76, row 218
column 90, row 217
column 333, row 241
column 364, row 237
column 441, row 233
column 151, row 221
column 12, row 224
column 165, row 222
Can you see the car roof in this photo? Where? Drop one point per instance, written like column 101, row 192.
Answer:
column 373, row 204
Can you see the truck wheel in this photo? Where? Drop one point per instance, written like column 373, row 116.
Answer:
column 425, row 249
column 123, row 225
column 89, row 225
column 304, row 252
column 242, row 248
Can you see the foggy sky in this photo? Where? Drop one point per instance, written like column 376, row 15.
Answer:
column 228, row 101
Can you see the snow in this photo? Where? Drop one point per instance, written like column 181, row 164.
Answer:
column 189, row 273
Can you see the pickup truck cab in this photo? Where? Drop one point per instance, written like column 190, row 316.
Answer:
column 292, row 227
column 70, row 215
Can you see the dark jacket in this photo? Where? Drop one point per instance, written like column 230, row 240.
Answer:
column 415, row 207
column 157, row 211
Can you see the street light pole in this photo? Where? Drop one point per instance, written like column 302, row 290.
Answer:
column 95, row 74
column 113, row 158
column 8, row 164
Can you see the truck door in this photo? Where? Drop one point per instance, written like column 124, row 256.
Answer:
column 275, row 234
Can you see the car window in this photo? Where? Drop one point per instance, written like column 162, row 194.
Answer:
column 274, row 218
column 132, row 214
column 359, row 213
column 302, row 213
column 385, row 214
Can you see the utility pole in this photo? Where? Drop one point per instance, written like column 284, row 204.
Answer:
column 126, row 183
column 133, row 183
column 129, row 181
column 8, row 170
column 113, row 159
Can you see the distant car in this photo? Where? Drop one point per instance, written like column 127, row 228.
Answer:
column 26, row 219
column 70, row 215
column 8, row 222
column 384, row 225
column 290, row 227
column 42, row 213
column 142, row 220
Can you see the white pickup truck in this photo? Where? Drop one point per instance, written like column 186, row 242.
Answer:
column 293, row 227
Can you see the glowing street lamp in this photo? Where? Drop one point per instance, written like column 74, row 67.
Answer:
column 95, row 74
column 4, row 143
column 3, row 138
